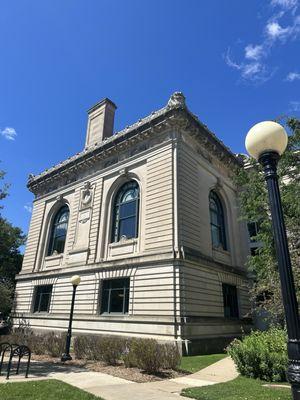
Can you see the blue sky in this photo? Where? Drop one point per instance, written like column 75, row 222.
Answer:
column 237, row 62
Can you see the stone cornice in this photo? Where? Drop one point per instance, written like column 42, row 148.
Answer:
column 174, row 115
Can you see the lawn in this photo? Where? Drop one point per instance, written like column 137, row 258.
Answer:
column 195, row 363
column 41, row 390
column 240, row 388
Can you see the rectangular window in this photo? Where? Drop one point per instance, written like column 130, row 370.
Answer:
column 230, row 300
column 115, row 296
column 42, row 298
column 253, row 231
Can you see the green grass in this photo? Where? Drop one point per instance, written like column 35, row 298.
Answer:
column 195, row 363
column 240, row 388
column 43, row 390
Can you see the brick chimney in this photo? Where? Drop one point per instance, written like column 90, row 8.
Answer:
column 100, row 122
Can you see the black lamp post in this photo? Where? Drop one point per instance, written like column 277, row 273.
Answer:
column 266, row 141
column 75, row 280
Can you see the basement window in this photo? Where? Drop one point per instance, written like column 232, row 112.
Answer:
column 230, row 300
column 115, row 296
column 42, row 298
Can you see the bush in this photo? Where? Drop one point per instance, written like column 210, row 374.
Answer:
column 54, row 343
column 100, row 348
column 151, row 356
column 146, row 354
column 49, row 343
column 261, row 355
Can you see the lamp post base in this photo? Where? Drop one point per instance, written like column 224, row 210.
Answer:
column 66, row 357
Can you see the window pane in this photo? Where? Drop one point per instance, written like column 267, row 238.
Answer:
column 59, row 244
column 214, row 218
column 119, row 283
column 116, row 300
column 215, row 233
column 42, row 298
column 128, row 209
column 127, row 227
column 104, row 302
column 230, row 301
column 130, row 195
column 115, row 296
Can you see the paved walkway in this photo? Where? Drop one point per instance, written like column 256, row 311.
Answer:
column 112, row 388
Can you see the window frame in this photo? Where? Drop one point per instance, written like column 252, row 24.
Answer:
column 220, row 226
column 116, row 236
column 38, row 297
column 109, row 290
column 234, row 310
column 53, row 227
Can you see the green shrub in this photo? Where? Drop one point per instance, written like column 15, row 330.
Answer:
column 54, row 343
column 261, row 355
column 146, row 354
column 49, row 343
column 172, row 356
column 109, row 349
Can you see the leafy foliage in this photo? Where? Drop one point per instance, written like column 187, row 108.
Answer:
column 146, row 354
column 261, row 355
column 49, row 343
column 255, row 207
column 11, row 238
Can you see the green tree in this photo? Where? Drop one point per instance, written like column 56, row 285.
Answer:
column 253, row 196
column 11, row 238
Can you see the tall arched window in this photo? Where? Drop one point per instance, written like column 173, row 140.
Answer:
column 58, row 231
column 126, row 212
column 217, row 221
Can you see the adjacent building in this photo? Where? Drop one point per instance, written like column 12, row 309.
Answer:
column 148, row 217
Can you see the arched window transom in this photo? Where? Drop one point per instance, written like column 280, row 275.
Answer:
column 126, row 212
column 59, row 231
column 217, row 221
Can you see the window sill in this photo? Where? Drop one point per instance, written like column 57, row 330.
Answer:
column 221, row 250
column 54, row 256
column 123, row 242
column 124, row 247
column 53, row 261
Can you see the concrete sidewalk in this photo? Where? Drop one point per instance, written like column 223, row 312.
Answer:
column 112, row 388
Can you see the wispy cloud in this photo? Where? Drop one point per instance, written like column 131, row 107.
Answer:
column 254, row 70
column 285, row 4
column 28, row 207
column 9, row 133
column 292, row 76
column 295, row 106
column 254, row 67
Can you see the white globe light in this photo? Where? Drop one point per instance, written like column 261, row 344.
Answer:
column 75, row 280
column 266, row 136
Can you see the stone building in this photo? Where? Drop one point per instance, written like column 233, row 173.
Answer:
column 148, row 217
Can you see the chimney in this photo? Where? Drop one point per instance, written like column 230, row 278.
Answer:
column 100, row 122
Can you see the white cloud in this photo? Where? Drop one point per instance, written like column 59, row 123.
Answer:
column 253, row 71
column 254, row 52
column 286, row 4
column 28, row 207
column 292, row 76
column 9, row 133
column 254, row 67
column 275, row 31
column 295, row 106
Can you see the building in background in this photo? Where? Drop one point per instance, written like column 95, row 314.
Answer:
column 148, row 217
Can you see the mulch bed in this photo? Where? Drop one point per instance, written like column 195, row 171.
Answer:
column 119, row 371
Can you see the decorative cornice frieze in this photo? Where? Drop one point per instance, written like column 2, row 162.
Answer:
column 174, row 116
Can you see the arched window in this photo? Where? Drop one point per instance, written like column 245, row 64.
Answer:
column 126, row 212
column 217, row 221
column 58, row 231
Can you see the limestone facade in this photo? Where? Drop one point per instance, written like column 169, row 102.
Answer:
column 175, row 274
